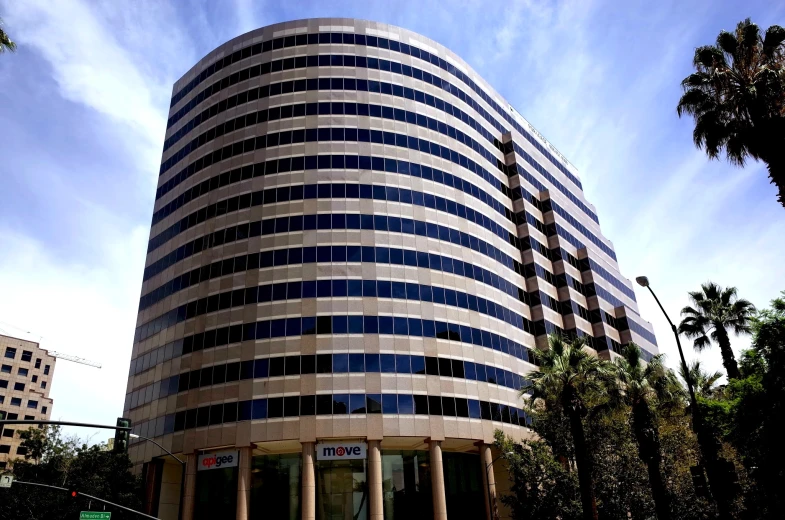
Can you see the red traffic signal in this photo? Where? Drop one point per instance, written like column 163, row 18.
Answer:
column 74, row 494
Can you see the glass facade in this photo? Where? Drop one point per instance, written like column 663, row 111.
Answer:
column 275, row 486
column 341, row 490
column 406, row 481
column 463, row 485
column 216, row 493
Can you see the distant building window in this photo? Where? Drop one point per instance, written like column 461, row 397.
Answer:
column 6, row 369
column 37, row 362
column 16, row 401
column 2, row 399
column 3, row 465
column 43, row 409
column 23, row 372
column 13, row 416
column 27, row 355
column 10, row 353
column 46, row 370
column 19, row 386
column 3, row 383
column 21, row 450
column 7, row 432
column 5, row 448
column 43, row 384
column 29, row 417
column 32, row 404
column 35, row 379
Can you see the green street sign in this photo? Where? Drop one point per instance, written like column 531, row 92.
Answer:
column 95, row 515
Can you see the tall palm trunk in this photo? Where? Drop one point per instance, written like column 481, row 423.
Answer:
column 582, row 457
column 649, row 450
column 728, row 359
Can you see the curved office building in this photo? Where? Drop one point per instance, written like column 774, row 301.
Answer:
column 356, row 245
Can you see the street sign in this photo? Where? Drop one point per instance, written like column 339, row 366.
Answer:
column 6, row 481
column 95, row 515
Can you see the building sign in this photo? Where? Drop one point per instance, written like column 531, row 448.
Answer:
column 222, row 459
column 341, row 450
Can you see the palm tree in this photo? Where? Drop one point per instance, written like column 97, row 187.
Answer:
column 703, row 381
column 643, row 387
column 5, row 42
column 737, row 98
column 714, row 310
column 576, row 382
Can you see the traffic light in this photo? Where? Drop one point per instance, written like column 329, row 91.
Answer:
column 73, row 494
column 121, row 436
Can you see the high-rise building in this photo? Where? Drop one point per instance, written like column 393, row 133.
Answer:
column 26, row 374
column 356, row 245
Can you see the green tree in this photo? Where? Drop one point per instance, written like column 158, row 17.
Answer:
column 67, row 462
column 736, row 97
column 6, row 44
column 714, row 310
column 705, row 382
column 576, row 382
column 542, row 487
column 642, row 387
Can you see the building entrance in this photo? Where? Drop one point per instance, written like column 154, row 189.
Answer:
column 341, row 490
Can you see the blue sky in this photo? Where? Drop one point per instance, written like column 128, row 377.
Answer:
column 83, row 106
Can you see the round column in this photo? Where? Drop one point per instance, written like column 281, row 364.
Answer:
column 244, row 484
column 309, row 482
column 190, row 487
column 437, row 482
column 375, row 491
column 488, row 480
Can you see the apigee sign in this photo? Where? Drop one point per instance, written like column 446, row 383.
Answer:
column 341, row 450
column 222, row 459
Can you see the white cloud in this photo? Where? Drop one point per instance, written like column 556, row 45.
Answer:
column 79, row 309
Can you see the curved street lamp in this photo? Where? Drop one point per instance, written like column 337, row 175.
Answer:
column 492, row 500
column 182, row 468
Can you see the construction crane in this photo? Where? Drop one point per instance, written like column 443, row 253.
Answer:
column 75, row 359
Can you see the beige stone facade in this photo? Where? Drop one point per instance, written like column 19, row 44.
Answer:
column 355, row 238
column 25, row 380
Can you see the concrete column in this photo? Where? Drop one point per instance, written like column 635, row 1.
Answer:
column 437, row 482
column 375, row 491
column 488, row 481
column 309, row 482
column 244, row 484
column 190, row 486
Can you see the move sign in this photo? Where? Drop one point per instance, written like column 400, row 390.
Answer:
column 341, row 450
column 222, row 459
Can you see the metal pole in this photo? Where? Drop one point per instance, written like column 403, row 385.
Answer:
column 65, row 423
column 697, row 425
column 491, row 500
column 688, row 376
column 182, row 473
column 88, row 496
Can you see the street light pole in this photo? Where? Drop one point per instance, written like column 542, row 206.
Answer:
column 182, row 471
column 708, row 455
column 492, row 500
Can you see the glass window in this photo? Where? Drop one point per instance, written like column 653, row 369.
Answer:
column 275, row 486
column 16, row 401
column 216, row 493
column 32, row 404
column 27, row 355
column 406, row 482
column 6, row 369
column 23, row 372
column 341, row 487
column 43, row 409
column 10, row 352
column 19, row 386
column 46, row 370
